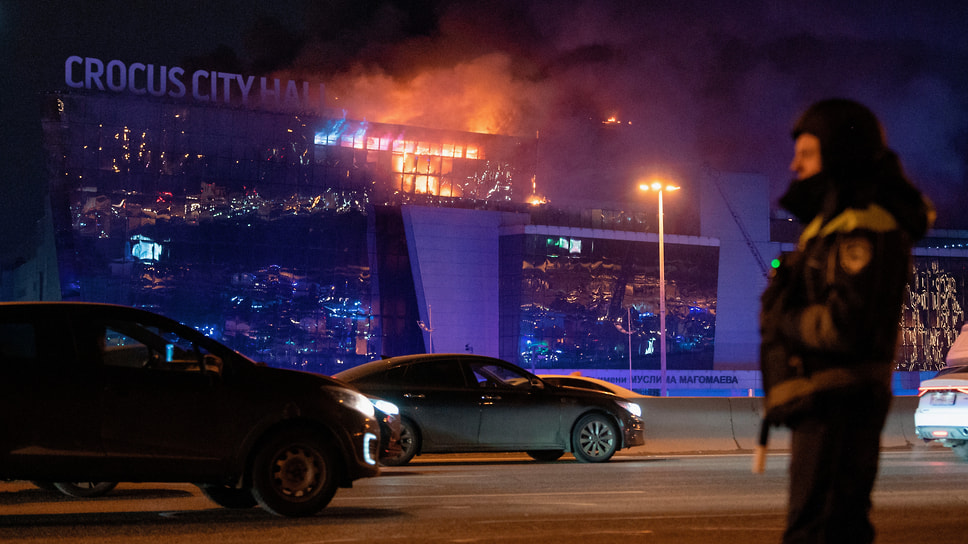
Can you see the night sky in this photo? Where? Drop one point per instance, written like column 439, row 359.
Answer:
column 691, row 84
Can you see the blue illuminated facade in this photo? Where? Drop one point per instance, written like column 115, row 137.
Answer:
column 280, row 234
column 581, row 297
column 318, row 243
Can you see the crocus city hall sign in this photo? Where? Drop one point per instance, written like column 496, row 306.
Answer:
column 201, row 85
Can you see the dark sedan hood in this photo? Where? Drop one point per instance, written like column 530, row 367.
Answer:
column 294, row 377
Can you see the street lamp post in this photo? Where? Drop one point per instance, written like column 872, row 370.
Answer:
column 660, row 187
column 630, row 332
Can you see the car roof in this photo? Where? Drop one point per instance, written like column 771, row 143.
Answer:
column 87, row 308
column 41, row 303
column 382, row 364
column 91, row 306
column 99, row 310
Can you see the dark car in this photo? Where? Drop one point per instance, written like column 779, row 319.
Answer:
column 102, row 393
column 461, row 403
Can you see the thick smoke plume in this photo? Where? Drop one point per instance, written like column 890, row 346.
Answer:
column 686, row 84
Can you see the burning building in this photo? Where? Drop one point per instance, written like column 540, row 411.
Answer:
column 255, row 225
column 317, row 242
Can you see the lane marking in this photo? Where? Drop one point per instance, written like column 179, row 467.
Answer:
column 481, row 495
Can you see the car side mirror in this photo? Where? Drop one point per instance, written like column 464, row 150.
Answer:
column 212, row 364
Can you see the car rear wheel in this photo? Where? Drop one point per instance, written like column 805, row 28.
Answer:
column 961, row 449
column 595, row 439
column 294, row 474
column 228, row 497
column 546, row 455
column 409, row 445
column 85, row 489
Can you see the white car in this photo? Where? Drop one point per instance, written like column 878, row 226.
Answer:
column 595, row 384
column 942, row 412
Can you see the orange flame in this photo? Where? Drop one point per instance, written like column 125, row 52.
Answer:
column 476, row 96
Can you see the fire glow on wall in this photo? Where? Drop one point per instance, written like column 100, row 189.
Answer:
column 417, row 166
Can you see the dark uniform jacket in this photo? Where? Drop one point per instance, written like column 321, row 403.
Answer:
column 830, row 314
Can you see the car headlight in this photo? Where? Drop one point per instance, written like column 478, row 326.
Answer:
column 630, row 407
column 386, row 407
column 352, row 399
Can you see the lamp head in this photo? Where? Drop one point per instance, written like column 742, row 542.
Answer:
column 658, row 185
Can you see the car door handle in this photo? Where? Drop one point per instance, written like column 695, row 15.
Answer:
column 414, row 396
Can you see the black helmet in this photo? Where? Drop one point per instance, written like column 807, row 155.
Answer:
column 851, row 137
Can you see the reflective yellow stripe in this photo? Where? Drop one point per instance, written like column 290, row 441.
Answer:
column 873, row 218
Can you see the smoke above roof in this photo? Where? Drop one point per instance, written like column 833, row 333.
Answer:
column 614, row 90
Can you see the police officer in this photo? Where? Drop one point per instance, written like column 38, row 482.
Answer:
column 830, row 316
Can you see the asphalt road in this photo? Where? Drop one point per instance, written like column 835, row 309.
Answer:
column 921, row 496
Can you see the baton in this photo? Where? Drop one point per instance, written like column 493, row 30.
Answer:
column 759, row 451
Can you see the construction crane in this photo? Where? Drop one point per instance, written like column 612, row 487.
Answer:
column 739, row 223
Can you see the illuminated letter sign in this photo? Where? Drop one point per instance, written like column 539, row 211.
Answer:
column 205, row 86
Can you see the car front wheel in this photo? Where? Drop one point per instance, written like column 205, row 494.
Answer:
column 595, row 439
column 409, row 444
column 294, row 474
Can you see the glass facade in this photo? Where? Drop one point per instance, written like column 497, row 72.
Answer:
column 933, row 312
column 282, row 235
column 399, row 163
column 279, row 234
column 582, row 301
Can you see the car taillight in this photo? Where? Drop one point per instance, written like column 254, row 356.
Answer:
column 939, row 434
column 923, row 390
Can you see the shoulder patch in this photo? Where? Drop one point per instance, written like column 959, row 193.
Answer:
column 855, row 253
